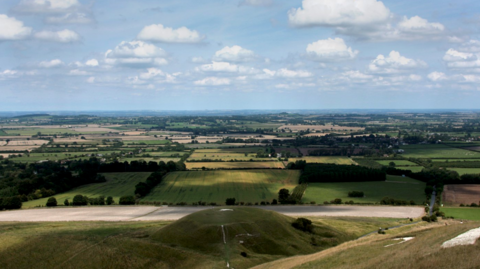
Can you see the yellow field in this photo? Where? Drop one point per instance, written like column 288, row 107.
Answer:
column 324, row 159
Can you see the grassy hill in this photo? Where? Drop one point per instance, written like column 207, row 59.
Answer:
column 384, row 251
column 195, row 241
column 117, row 185
column 216, row 186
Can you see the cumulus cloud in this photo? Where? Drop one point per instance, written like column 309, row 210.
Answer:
column 234, row 54
column 394, row 63
column 77, row 72
column 51, row 64
column 136, row 53
column 331, row 50
column 198, row 60
column 437, row 76
column 64, row 36
column 284, row 73
column 356, row 76
column 13, row 29
column 70, row 18
column 46, row 6
column 258, row 3
column 213, row 81
column 339, row 13
column 92, row 62
column 160, row 33
column 467, row 56
column 364, row 19
column 218, row 67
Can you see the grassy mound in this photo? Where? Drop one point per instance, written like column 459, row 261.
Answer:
column 262, row 235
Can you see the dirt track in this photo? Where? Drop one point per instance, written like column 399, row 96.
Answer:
column 150, row 213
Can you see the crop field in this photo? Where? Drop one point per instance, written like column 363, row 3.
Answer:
column 117, row 185
column 216, row 186
column 463, row 171
column 398, row 163
column 149, row 159
column 462, row 213
column 324, row 159
column 437, row 151
column 224, row 156
column 167, row 153
column 233, row 165
column 35, row 157
column 395, row 187
column 147, row 142
column 327, row 127
column 456, row 194
column 230, row 150
column 414, row 169
column 455, row 160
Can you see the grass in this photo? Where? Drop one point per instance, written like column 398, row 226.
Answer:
column 35, row 157
column 374, row 191
column 464, row 213
column 414, row 169
column 323, row 159
column 117, row 185
column 216, row 186
column 230, row 150
column 437, row 151
column 195, row 241
column 398, row 163
column 147, row 142
column 463, row 171
column 455, row 160
column 233, row 165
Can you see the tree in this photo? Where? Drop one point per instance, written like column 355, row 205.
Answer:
column 110, row 200
column 52, row 202
column 230, row 201
column 391, row 164
column 127, row 200
column 303, row 224
column 283, row 196
column 80, row 200
column 66, row 202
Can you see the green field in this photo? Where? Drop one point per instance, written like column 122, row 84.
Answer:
column 401, row 189
column 230, row 150
column 35, row 157
column 437, row 151
column 147, row 142
column 233, row 165
column 324, row 159
column 455, row 160
column 463, row 171
column 398, row 163
column 215, row 186
column 117, row 185
column 414, row 169
column 465, row 213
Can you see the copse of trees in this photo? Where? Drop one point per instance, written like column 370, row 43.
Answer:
column 144, row 188
column 340, row 173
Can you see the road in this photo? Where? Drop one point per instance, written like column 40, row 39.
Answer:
column 151, row 213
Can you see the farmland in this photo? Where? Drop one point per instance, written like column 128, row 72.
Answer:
column 117, row 185
column 462, row 213
column 234, row 165
column 461, row 194
column 395, row 187
column 398, row 163
column 437, row 151
column 215, row 186
column 324, row 159
column 463, row 171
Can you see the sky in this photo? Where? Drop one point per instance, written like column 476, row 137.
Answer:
column 239, row 54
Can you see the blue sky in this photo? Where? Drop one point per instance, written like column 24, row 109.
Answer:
column 238, row 54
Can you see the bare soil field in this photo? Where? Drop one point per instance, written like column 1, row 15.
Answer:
column 297, row 128
column 151, row 213
column 461, row 194
column 3, row 143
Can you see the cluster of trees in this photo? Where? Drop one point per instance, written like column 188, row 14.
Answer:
column 144, row 188
column 391, row 201
column 358, row 194
column 340, row 173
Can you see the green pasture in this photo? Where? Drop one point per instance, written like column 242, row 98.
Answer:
column 230, row 150
column 414, row 169
column 465, row 213
column 35, row 157
column 149, row 159
column 400, row 189
column 324, row 159
column 117, row 185
column 437, row 151
column 216, row 186
column 397, row 163
column 147, row 142
column 463, row 171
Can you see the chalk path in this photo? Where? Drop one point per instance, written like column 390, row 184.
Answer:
column 151, row 213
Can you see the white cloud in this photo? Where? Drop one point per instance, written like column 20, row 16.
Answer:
column 13, row 29
column 91, row 80
column 437, row 76
column 77, row 72
column 467, row 56
column 453, row 55
column 294, row 85
column 46, row 6
column 50, row 64
column 70, row 18
column 213, row 81
column 364, row 19
column 394, row 63
column 414, row 77
column 419, row 25
column 286, row 73
column 471, row 46
column 159, row 33
column 339, row 13
column 331, row 50
column 258, row 3
column 152, row 73
column 356, row 76
column 136, row 53
column 64, row 36
column 91, row 62
column 234, row 54
column 218, row 67
column 198, row 60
